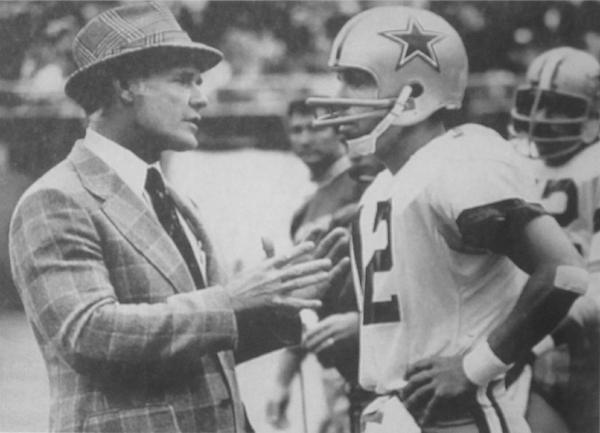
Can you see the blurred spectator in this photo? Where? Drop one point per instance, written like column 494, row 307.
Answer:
column 292, row 40
column 589, row 22
column 13, row 183
column 334, row 339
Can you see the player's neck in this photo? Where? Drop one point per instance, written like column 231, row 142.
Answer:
column 407, row 142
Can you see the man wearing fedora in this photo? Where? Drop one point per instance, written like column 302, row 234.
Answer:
column 117, row 276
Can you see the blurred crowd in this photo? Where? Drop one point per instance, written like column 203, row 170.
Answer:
column 287, row 41
column 276, row 52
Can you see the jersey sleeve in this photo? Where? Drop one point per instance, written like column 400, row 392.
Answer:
column 486, row 203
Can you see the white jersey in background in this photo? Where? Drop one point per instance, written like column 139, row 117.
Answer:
column 426, row 277
column 571, row 193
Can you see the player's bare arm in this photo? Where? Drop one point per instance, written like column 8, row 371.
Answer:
column 557, row 279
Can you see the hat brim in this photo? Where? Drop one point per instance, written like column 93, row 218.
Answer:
column 84, row 83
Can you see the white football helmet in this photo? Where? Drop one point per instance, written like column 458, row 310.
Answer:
column 550, row 112
column 416, row 58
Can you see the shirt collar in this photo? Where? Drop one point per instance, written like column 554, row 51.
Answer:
column 129, row 167
column 337, row 168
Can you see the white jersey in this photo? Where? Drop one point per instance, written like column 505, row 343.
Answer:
column 427, row 277
column 571, row 193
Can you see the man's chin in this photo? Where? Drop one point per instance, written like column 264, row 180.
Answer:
column 183, row 144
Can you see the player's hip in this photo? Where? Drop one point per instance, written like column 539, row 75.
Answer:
column 491, row 410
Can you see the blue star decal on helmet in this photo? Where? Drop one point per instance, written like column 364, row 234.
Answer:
column 415, row 42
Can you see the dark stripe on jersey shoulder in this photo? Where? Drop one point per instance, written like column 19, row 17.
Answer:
column 494, row 226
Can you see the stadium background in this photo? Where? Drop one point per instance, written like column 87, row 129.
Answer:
column 243, row 175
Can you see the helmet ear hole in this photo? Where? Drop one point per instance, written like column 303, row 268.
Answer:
column 417, row 89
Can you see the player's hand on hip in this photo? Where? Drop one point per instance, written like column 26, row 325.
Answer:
column 282, row 280
column 331, row 331
column 433, row 382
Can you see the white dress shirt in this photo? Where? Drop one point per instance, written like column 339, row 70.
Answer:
column 132, row 171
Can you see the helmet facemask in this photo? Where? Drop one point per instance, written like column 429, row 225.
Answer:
column 416, row 59
column 552, row 124
column 556, row 113
column 364, row 144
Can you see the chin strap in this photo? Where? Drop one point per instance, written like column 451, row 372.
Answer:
column 365, row 145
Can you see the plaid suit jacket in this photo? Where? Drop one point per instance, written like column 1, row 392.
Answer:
column 129, row 344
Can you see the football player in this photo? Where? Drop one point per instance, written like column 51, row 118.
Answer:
column 555, row 120
column 459, row 275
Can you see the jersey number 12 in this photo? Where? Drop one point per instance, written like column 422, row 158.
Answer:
column 381, row 261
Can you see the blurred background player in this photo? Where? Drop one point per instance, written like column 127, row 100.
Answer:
column 334, row 340
column 555, row 121
column 443, row 235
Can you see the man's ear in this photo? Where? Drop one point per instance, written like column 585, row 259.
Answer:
column 591, row 128
column 122, row 90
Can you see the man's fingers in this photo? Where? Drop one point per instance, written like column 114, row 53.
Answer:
column 305, row 268
column 319, row 339
column 319, row 283
column 268, row 246
column 297, row 303
column 315, row 234
column 418, row 366
column 429, row 411
column 324, row 344
column 324, row 247
column 316, row 281
column 340, row 270
column 339, row 249
column 418, row 399
column 316, row 336
column 416, row 381
column 297, row 251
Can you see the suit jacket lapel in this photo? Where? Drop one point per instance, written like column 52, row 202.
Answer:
column 137, row 224
column 132, row 217
column 214, row 273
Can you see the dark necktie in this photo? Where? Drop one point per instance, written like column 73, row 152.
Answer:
column 167, row 215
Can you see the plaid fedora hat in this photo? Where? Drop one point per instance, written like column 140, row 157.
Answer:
column 134, row 28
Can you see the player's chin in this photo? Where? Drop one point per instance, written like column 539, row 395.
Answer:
column 353, row 130
column 548, row 150
column 311, row 158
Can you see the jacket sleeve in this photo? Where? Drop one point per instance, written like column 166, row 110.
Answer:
column 57, row 263
column 263, row 332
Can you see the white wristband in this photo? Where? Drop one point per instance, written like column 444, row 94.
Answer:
column 481, row 365
column 546, row 344
column 572, row 278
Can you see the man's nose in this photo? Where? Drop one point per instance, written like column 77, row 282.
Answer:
column 198, row 99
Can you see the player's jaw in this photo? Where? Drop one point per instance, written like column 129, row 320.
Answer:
column 352, row 130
